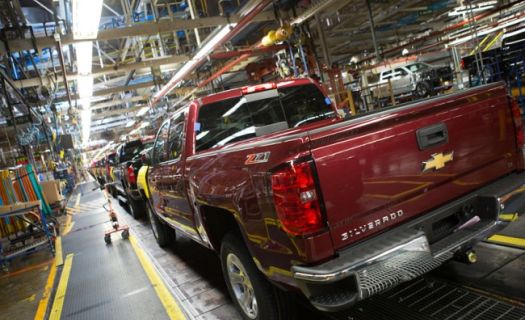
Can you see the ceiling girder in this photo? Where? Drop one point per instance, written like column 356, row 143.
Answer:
column 34, row 82
column 105, row 92
column 143, row 29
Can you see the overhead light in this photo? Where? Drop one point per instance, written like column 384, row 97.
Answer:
column 144, row 124
column 197, row 59
column 130, row 123
column 86, row 18
column 208, row 47
column 142, row 111
column 478, row 7
column 85, row 116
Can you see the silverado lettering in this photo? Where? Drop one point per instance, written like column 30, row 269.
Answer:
column 371, row 225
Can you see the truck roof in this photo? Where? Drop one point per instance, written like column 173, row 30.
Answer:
column 237, row 92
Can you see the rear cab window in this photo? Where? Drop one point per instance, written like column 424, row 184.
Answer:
column 260, row 113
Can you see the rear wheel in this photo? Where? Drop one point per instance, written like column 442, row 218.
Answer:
column 253, row 295
column 136, row 208
column 164, row 234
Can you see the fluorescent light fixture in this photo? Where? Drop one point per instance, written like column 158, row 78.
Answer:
column 144, row 124
column 86, row 18
column 130, row 123
column 197, row 59
column 487, row 31
column 142, row 111
column 85, row 116
column 209, row 46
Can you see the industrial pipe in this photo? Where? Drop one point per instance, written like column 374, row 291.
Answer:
column 224, row 69
column 251, row 51
column 174, row 81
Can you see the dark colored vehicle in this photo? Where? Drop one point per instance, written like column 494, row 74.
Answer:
column 129, row 160
column 294, row 198
column 111, row 162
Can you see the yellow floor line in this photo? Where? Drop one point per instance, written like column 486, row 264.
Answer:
column 513, row 241
column 68, row 225
column 166, row 298
column 77, row 202
column 60, row 295
column 58, row 251
column 42, row 305
column 68, row 228
column 509, row 217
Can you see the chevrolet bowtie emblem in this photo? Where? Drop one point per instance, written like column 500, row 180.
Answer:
column 437, row 161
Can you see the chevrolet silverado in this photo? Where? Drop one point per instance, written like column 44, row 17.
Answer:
column 292, row 197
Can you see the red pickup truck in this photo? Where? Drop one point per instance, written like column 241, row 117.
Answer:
column 293, row 197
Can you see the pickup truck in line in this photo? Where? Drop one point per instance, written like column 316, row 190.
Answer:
column 419, row 79
column 126, row 165
column 291, row 197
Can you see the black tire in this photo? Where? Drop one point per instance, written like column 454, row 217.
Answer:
column 107, row 239
column 125, row 234
column 113, row 192
column 136, row 208
column 164, row 234
column 267, row 302
column 423, row 89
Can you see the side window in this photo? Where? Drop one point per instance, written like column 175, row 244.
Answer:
column 176, row 138
column 400, row 72
column 386, row 75
column 159, row 149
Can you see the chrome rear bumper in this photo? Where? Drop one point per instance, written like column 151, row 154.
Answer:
column 404, row 253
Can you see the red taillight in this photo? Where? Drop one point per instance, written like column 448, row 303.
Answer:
column 518, row 123
column 131, row 175
column 296, row 200
column 462, row 64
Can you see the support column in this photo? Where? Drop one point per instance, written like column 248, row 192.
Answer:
column 373, row 30
column 322, row 39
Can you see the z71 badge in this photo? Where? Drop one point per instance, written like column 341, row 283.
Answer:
column 254, row 158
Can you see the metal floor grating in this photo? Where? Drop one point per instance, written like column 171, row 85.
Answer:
column 429, row 299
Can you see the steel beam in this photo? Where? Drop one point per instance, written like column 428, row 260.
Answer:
column 34, row 82
column 144, row 29
column 105, row 92
column 108, row 113
column 111, row 103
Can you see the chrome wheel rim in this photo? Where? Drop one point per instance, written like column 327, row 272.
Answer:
column 241, row 286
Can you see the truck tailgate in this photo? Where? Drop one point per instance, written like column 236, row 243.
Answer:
column 374, row 173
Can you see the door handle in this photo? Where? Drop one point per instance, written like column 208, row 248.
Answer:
column 432, row 136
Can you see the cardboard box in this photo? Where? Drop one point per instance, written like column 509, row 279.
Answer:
column 51, row 191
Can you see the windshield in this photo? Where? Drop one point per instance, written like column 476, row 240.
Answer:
column 146, row 149
column 130, row 150
column 259, row 113
column 112, row 159
column 417, row 67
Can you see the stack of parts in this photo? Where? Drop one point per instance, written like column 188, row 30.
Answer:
column 8, row 196
column 27, row 187
column 20, row 185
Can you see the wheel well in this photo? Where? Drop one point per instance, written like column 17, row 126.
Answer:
column 218, row 222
